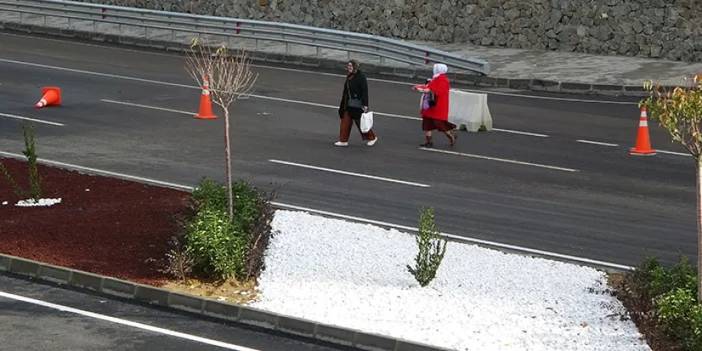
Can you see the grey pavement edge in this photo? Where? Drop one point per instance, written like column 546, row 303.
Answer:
column 521, row 81
column 206, row 307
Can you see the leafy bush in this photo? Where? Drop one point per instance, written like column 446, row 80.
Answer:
column 680, row 315
column 223, row 247
column 653, row 280
column 431, row 249
column 30, row 152
column 217, row 248
column 260, row 235
column 664, row 299
column 210, row 194
column 642, row 277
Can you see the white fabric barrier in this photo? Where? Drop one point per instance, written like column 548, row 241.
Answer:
column 469, row 110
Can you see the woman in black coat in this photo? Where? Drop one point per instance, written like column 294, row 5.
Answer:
column 354, row 102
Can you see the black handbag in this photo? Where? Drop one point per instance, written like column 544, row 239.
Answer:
column 353, row 102
column 432, row 98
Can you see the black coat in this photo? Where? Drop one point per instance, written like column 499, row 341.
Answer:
column 355, row 86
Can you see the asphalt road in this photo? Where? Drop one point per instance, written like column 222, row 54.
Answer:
column 43, row 320
column 590, row 200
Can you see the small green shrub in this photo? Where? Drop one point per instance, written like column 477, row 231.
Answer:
column 30, row 152
column 681, row 276
column 643, row 276
column 223, row 247
column 210, row 194
column 260, row 235
column 431, row 249
column 217, row 248
column 651, row 279
column 15, row 187
column 680, row 315
column 664, row 299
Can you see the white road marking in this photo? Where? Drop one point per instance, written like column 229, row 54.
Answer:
column 309, row 104
column 673, row 153
column 99, row 171
column 614, row 145
column 339, row 215
column 499, row 159
column 350, row 173
column 595, row 142
column 520, row 132
column 343, row 75
column 126, row 322
column 31, row 119
column 147, row 106
column 108, row 75
column 462, row 238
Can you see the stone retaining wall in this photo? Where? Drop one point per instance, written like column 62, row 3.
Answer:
column 650, row 28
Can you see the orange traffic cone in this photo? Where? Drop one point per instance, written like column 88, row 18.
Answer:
column 205, row 111
column 50, row 96
column 643, row 143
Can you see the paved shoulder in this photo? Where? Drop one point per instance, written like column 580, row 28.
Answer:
column 37, row 317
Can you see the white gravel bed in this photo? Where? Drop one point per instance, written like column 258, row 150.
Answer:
column 354, row 275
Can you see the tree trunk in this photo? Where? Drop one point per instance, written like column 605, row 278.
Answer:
column 228, row 156
column 699, row 229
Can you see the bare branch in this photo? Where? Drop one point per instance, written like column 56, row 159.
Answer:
column 229, row 77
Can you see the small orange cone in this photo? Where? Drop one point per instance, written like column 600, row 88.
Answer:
column 643, row 143
column 205, row 111
column 51, row 96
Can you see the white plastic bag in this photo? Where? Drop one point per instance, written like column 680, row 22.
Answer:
column 366, row 122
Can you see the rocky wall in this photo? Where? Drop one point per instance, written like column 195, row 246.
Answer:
column 649, row 28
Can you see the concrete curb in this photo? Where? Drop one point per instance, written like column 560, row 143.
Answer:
column 220, row 310
column 466, row 80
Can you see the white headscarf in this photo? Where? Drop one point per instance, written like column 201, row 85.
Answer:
column 440, row 68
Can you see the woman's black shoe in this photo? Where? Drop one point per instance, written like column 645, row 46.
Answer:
column 427, row 144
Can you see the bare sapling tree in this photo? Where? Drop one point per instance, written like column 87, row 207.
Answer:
column 229, row 77
column 679, row 111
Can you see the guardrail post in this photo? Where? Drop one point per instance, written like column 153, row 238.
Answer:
column 319, row 51
column 426, row 58
column 102, row 12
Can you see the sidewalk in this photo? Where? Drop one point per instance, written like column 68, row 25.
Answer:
column 573, row 67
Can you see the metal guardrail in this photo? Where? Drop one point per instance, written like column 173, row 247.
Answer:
column 290, row 34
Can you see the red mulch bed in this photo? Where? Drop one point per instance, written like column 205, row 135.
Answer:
column 102, row 225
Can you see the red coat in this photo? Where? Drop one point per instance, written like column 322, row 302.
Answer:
column 440, row 87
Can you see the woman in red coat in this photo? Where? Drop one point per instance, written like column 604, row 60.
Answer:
column 435, row 111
